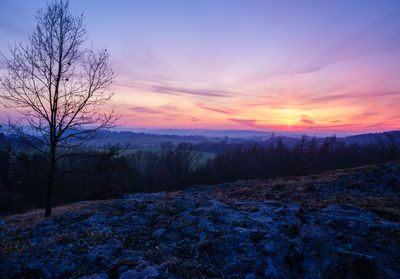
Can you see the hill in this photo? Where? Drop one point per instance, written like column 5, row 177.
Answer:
column 144, row 138
column 153, row 138
column 339, row 224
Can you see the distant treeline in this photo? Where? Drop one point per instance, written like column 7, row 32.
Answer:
column 109, row 172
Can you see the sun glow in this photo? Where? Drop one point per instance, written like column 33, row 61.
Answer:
column 289, row 116
column 249, row 74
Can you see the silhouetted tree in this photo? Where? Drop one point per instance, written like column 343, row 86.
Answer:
column 57, row 86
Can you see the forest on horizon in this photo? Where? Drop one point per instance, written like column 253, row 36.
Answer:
column 111, row 171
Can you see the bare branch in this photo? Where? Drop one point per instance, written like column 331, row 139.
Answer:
column 56, row 85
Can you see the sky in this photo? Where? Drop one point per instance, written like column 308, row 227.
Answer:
column 299, row 66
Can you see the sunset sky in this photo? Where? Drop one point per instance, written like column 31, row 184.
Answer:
column 302, row 66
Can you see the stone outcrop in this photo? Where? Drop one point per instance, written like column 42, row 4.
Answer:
column 334, row 225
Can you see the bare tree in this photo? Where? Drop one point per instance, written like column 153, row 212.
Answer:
column 58, row 86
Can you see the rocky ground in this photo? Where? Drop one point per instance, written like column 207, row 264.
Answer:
column 340, row 224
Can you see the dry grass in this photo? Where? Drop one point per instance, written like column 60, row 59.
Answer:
column 299, row 188
column 302, row 190
column 295, row 188
column 387, row 207
column 32, row 217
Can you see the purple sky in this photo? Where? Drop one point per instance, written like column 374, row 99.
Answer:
column 307, row 66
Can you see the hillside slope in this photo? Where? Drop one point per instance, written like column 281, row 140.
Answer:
column 340, row 224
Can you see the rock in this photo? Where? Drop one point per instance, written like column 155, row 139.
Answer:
column 96, row 276
column 96, row 219
column 3, row 225
column 263, row 220
column 220, row 231
column 312, row 232
column 31, row 271
column 271, row 202
column 146, row 273
column 295, row 208
column 271, row 270
column 250, row 276
column 257, row 235
column 276, row 244
column 118, row 266
column 157, row 234
column 283, row 211
column 354, row 265
column 150, row 210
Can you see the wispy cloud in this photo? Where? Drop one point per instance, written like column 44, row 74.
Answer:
column 163, row 109
column 146, row 110
column 245, row 122
column 299, row 71
column 331, row 126
column 198, row 92
column 219, row 109
column 307, row 121
column 363, row 95
column 361, row 44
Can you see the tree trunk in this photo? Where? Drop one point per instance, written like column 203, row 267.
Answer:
column 49, row 195
column 50, row 183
